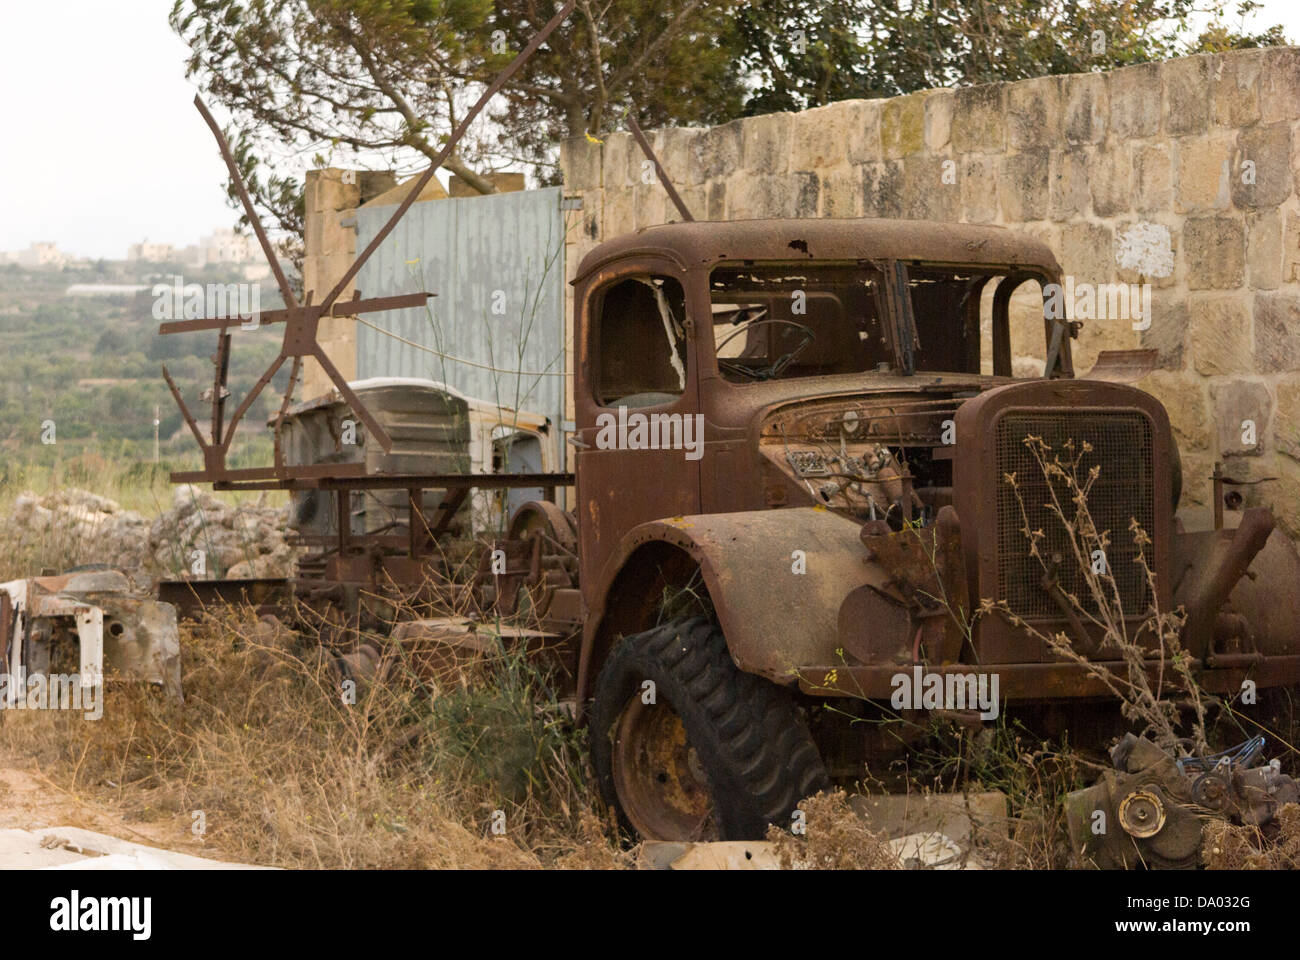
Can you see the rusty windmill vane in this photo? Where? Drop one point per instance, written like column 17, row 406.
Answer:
column 302, row 320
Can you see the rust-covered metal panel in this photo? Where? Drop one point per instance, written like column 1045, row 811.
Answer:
column 775, row 619
column 700, row 243
column 1132, row 451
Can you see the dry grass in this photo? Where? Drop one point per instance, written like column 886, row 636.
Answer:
column 836, row 838
column 287, row 774
column 1225, row 846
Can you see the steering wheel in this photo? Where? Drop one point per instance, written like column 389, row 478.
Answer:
column 781, row 362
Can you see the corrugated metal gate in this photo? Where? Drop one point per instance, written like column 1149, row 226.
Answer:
column 495, row 330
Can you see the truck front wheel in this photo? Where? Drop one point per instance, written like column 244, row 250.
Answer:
column 702, row 751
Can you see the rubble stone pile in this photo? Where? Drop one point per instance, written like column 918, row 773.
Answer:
column 243, row 540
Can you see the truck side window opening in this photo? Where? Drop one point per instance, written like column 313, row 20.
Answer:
column 946, row 312
column 641, row 342
column 954, row 313
column 775, row 322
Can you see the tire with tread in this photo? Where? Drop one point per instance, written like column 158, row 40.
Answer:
column 747, row 732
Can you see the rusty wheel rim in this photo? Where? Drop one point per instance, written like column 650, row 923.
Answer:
column 660, row 783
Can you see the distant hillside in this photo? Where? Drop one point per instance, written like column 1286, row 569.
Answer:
column 92, row 364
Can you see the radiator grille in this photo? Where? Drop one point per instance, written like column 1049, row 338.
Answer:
column 1124, row 489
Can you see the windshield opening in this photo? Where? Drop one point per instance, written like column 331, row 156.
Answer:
column 779, row 322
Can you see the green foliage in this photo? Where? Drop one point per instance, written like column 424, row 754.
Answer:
column 393, row 77
column 804, row 54
column 92, row 365
column 508, row 737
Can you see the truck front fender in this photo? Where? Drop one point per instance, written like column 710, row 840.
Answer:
column 774, row 617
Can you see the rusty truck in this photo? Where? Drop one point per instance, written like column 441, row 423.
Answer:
column 843, row 508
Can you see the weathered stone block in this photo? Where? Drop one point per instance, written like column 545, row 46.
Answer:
column 718, row 150
column 1202, row 181
column 324, row 233
column 1286, row 418
column 1110, row 178
column 1034, row 113
column 864, row 131
column 616, row 155
column 1135, row 101
column 676, row 150
column 651, row 204
column 978, row 121
column 807, row 195
column 767, row 141
column 1087, row 252
column 1068, row 190
column 1152, row 178
column 580, row 162
column 1277, row 333
column 324, row 190
column 1242, row 412
column 1235, row 94
column 1187, row 94
column 1264, row 249
column 1087, row 107
column 979, row 189
column 1214, row 252
column 1167, row 334
column 1291, row 248
column 882, row 189
column 1185, row 400
column 718, row 200
column 841, row 192
column 1279, row 84
column 1022, row 185
column 1220, row 335
column 902, row 125
column 820, row 137
column 1284, row 496
column 925, row 195
column 938, row 120
column 1261, row 169
column 758, row 197
column 696, row 198
column 620, row 212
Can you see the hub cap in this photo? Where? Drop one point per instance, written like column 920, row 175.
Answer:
column 660, row 783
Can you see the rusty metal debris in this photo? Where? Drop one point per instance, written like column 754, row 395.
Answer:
column 1149, row 811
column 89, row 624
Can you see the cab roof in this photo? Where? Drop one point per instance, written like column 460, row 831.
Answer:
column 705, row 242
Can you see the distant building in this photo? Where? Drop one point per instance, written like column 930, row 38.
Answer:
column 218, row 247
column 150, row 252
column 44, row 254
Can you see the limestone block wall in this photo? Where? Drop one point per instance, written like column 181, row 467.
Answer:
column 1181, row 174
column 330, row 200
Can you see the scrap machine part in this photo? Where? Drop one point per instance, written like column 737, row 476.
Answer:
column 1149, row 810
column 121, row 633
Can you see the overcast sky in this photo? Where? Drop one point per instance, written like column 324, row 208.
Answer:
column 101, row 146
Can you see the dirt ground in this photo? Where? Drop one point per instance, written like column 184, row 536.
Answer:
column 31, row 801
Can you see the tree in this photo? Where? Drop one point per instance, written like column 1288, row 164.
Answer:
column 804, row 54
column 392, row 77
